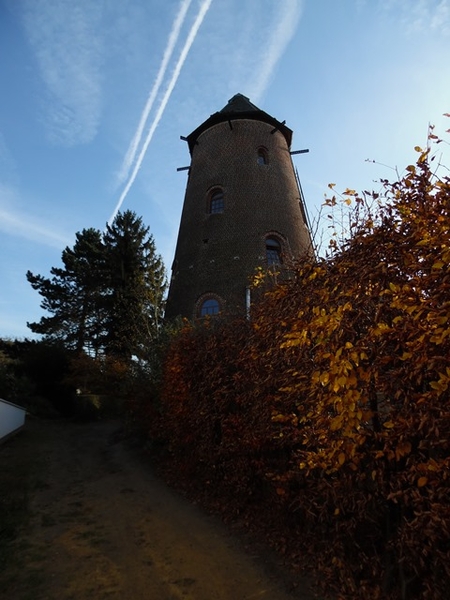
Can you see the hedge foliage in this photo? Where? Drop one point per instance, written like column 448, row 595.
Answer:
column 324, row 420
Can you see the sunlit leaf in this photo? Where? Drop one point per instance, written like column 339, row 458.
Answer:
column 403, row 449
column 336, row 423
column 438, row 264
column 324, row 378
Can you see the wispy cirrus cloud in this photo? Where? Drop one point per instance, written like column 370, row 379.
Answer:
column 244, row 45
column 21, row 224
column 417, row 16
column 287, row 17
column 422, row 15
column 65, row 38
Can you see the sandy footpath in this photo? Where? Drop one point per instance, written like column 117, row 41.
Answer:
column 104, row 527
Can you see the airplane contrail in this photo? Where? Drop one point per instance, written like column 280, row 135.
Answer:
column 184, row 52
column 173, row 38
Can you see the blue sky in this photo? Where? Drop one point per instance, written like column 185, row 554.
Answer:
column 95, row 96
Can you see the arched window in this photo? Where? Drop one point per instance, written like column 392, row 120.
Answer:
column 273, row 251
column 262, row 156
column 216, row 201
column 209, row 307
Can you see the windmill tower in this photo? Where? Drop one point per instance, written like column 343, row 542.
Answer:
column 243, row 209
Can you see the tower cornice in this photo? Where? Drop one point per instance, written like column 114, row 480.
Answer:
column 239, row 107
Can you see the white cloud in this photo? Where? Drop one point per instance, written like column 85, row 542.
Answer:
column 67, row 44
column 280, row 34
column 440, row 17
column 239, row 50
column 418, row 16
column 27, row 226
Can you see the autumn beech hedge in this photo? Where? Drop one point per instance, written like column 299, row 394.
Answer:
column 324, row 420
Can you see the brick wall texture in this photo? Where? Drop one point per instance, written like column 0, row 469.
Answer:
column 218, row 253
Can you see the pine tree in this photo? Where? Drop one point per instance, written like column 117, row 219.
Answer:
column 108, row 298
column 73, row 294
column 136, row 288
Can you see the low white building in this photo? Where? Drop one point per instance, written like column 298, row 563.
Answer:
column 12, row 419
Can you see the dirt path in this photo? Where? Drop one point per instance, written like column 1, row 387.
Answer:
column 104, row 527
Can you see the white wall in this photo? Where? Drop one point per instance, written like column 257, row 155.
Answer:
column 12, row 417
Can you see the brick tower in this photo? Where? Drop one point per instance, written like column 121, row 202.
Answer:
column 243, row 209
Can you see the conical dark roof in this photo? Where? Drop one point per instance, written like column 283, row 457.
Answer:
column 238, row 107
column 239, row 103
